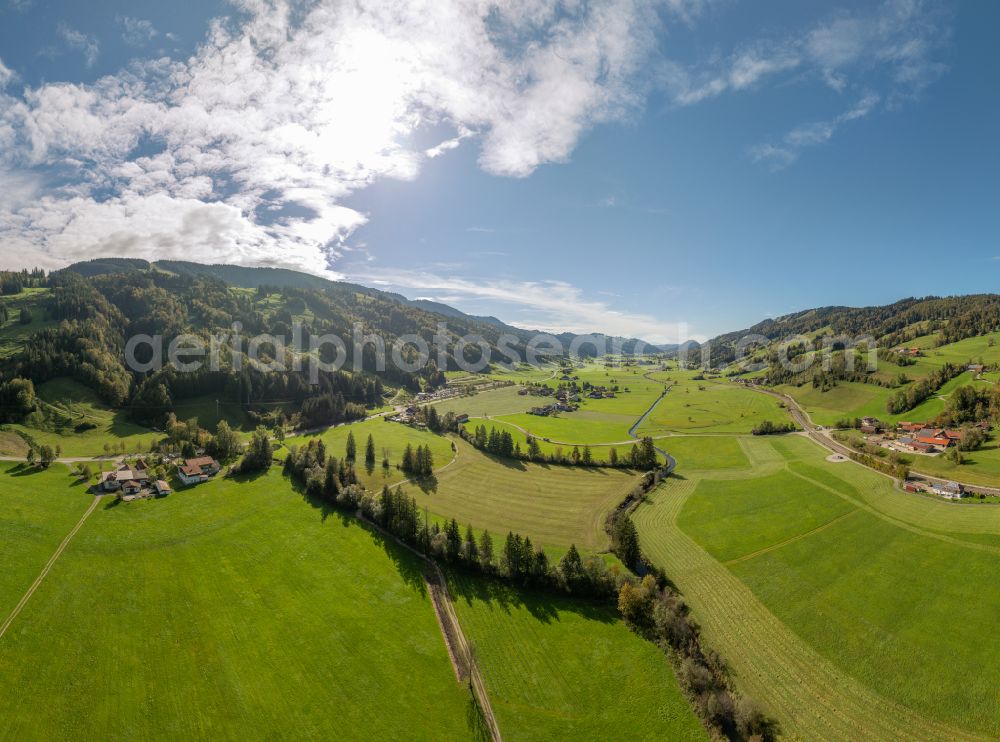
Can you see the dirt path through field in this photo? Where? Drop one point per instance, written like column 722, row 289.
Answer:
column 48, row 566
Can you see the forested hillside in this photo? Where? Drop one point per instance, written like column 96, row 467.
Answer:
column 90, row 310
column 953, row 318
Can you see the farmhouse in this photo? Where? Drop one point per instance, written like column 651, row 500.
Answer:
column 917, row 446
column 463, row 418
column 937, row 437
column 543, row 411
column 193, row 471
column 161, row 487
column 871, row 425
column 112, row 481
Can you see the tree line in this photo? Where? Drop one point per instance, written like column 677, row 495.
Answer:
column 641, row 455
column 908, row 398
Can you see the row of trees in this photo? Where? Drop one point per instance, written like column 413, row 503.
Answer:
column 655, row 611
column 768, row 427
column 908, row 398
column 641, row 455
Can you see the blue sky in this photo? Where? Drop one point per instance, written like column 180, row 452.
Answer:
column 664, row 170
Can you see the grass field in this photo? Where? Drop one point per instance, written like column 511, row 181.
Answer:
column 555, row 505
column 389, row 438
column 833, row 608
column 582, row 426
column 231, row 611
column 503, row 401
column 11, row 444
column 850, row 399
column 697, row 452
column 978, row 467
column 600, row 451
column 37, row 509
column 710, row 407
column 558, row 668
column 856, row 399
column 74, row 418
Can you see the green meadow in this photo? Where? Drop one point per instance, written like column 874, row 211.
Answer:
column 72, row 417
column 233, row 610
column 502, row 401
column 555, row 505
column 37, row 509
column 583, row 426
column 559, row 668
column 840, row 602
column 709, row 407
column 857, row 399
column 390, row 441
column 600, row 451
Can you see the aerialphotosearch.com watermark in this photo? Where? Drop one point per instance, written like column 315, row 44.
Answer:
column 411, row 353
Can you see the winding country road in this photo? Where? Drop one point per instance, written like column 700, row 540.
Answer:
column 823, row 437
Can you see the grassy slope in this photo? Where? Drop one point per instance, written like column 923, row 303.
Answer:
column 695, row 453
column 864, row 620
column 11, row 444
column 558, row 668
column 855, row 399
column 67, row 404
column 554, row 505
column 582, row 426
column 227, row 612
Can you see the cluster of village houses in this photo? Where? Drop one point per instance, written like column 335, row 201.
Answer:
column 923, row 439
column 567, row 399
column 132, row 480
column 913, row 437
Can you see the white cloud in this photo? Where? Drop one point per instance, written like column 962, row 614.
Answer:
column 895, row 40
column 550, row 306
column 81, row 42
column 6, row 75
column 888, row 48
column 287, row 112
column 809, row 135
column 136, row 31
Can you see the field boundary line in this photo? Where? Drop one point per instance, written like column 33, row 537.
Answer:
column 451, row 630
column 812, row 697
column 48, row 566
column 892, row 520
column 791, row 540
